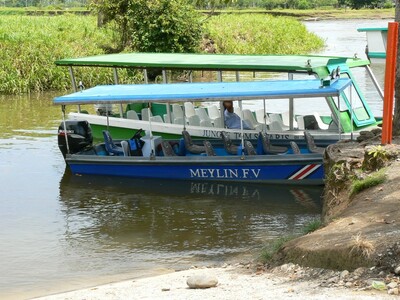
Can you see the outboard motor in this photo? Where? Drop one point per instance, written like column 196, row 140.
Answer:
column 79, row 136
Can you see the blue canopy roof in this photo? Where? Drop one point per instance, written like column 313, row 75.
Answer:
column 215, row 91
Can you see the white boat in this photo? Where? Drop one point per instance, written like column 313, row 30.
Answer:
column 376, row 43
column 183, row 159
column 287, row 125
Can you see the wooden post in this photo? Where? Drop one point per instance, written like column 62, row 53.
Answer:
column 390, row 73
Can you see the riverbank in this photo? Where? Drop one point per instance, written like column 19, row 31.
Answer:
column 234, row 282
column 355, row 256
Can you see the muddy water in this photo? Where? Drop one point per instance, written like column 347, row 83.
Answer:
column 60, row 232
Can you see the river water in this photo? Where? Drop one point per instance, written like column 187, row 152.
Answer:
column 60, row 232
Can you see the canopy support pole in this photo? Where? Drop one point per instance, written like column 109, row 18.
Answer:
column 116, row 81
column 291, row 110
column 65, row 128
column 73, row 81
column 165, row 81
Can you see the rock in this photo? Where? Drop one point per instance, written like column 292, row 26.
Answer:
column 359, row 271
column 397, row 270
column 344, row 274
column 394, row 291
column 392, row 285
column 348, row 284
column 201, row 281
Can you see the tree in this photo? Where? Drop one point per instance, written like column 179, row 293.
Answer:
column 153, row 26
column 396, row 117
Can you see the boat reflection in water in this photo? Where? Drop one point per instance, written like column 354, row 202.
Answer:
column 178, row 222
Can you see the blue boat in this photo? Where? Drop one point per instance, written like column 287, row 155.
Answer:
column 154, row 157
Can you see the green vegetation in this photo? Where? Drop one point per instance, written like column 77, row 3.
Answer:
column 30, row 45
column 371, row 180
column 312, row 226
column 152, row 26
column 261, row 34
column 271, row 249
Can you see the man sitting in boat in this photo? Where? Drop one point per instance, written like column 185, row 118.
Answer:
column 232, row 120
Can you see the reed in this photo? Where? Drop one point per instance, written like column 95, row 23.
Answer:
column 261, row 34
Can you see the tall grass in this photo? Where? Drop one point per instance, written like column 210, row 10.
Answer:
column 30, row 45
column 261, row 34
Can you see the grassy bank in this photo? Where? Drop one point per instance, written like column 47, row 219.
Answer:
column 30, row 45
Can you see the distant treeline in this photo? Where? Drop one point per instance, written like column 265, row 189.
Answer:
column 240, row 4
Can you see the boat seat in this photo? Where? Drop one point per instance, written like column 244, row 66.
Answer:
column 194, row 120
column 229, row 147
column 189, row 109
column 146, row 114
column 310, row 122
column 248, row 146
column 321, row 123
column 209, row 148
column 125, row 148
column 157, row 118
column 131, row 114
column 179, row 121
column 249, row 118
column 190, row 146
column 278, row 119
column 311, row 144
column 111, row 148
column 202, row 113
column 295, row 148
column 213, row 112
column 219, row 122
column 300, row 122
column 267, row 147
column 206, row 123
column 177, row 111
column 167, row 149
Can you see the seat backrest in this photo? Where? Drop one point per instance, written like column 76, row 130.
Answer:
column 229, row 147
column 111, row 148
column 249, row 117
column 286, row 119
column 167, row 119
column 189, row 109
column 157, row 119
column 295, row 147
column 260, row 115
column 300, row 122
column 268, row 148
column 206, row 123
column 167, row 149
column 194, row 120
column 145, row 114
column 125, row 148
column 179, row 121
column 275, row 126
column 202, row 113
column 321, row 123
column 190, row 146
column 177, row 110
column 248, row 146
column 131, row 114
column 219, row 122
column 311, row 144
column 213, row 112
column 209, row 148
column 310, row 122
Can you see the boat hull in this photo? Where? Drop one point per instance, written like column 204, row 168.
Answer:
column 292, row 169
